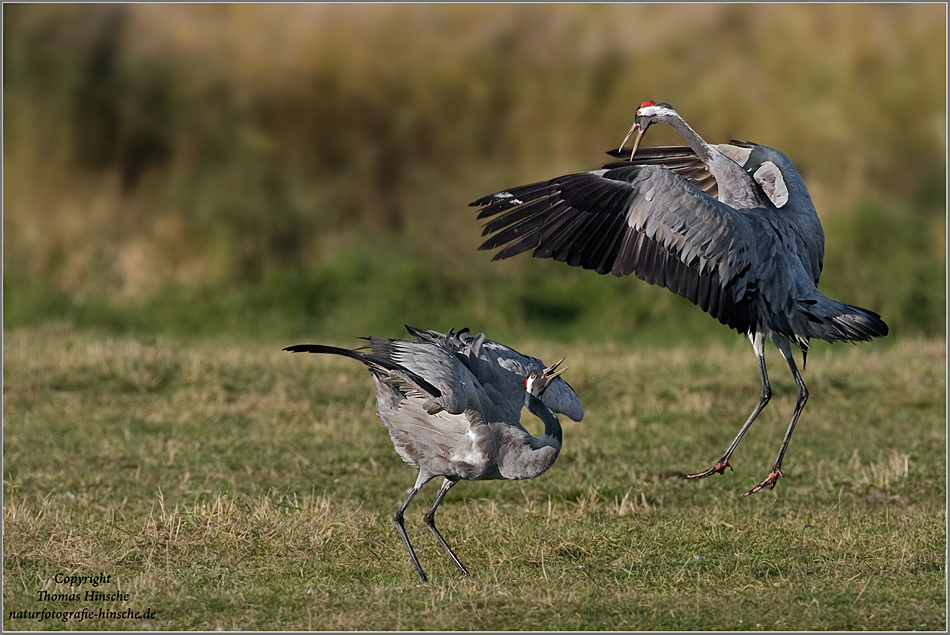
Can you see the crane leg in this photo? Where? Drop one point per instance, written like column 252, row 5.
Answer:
column 397, row 518
column 758, row 345
column 429, row 519
column 776, row 472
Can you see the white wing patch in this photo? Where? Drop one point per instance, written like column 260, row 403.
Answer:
column 773, row 183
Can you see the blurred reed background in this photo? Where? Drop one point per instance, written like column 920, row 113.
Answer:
column 305, row 170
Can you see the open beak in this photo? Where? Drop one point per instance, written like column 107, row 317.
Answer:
column 636, row 142
column 552, row 371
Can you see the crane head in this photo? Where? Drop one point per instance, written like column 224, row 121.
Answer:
column 647, row 114
column 538, row 381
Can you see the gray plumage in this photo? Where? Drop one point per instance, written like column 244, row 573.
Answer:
column 501, row 371
column 729, row 227
column 444, row 421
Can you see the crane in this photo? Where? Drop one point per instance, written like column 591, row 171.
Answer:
column 444, row 422
column 730, row 227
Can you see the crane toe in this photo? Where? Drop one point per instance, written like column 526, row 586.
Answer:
column 718, row 468
column 770, row 481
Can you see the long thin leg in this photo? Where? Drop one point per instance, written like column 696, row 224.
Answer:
column 397, row 518
column 758, row 345
column 776, row 472
column 429, row 519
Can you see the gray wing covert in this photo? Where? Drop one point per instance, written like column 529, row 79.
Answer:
column 640, row 219
column 459, row 387
column 501, row 371
column 502, row 385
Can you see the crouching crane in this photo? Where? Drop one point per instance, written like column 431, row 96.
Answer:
column 729, row 227
column 452, row 413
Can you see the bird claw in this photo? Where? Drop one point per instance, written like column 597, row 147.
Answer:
column 771, row 480
column 718, row 468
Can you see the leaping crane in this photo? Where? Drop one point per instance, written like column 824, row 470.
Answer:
column 730, row 227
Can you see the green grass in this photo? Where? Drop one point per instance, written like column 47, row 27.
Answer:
column 226, row 484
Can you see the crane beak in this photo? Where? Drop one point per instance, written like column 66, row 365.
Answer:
column 636, row 142
column 552, row 371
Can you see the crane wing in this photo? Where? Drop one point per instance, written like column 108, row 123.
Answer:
column 439, row 430
column 501, row 370
column 680, row 159
column 429, row 373
column 505, row 369
column 460, row 389
column 640, row 219
column 772, row 171
column 378, row 365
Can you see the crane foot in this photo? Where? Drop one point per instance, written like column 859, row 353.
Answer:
column 770, row 480
column 718, row 468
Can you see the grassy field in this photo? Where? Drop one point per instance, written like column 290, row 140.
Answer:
column 189, row 188
column 225, row 484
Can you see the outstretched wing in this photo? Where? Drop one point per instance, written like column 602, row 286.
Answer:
column 640, row 219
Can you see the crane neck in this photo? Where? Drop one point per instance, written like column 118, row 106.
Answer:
column 703, row 150
column 736, row 187
column 552, row 427
column 525, row 455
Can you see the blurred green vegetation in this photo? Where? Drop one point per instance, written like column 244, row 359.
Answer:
column 290, row 170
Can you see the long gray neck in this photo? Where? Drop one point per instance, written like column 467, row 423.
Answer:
column 552, row 427
column 526, row 456
column 736, row 187
column 702, row 149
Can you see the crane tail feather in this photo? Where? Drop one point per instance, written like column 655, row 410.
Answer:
column 836, row 321
column 375, row 364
